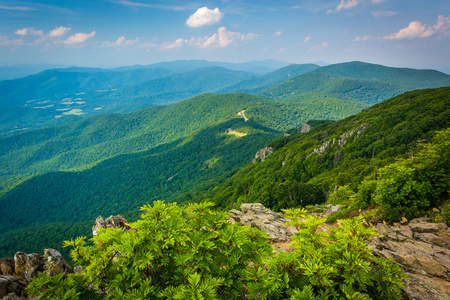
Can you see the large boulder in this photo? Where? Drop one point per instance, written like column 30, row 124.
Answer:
column 55, row 263
column 256, row 215
column 12, row 287
column 28, row 266
column 110, row 222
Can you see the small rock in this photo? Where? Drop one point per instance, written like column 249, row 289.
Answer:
column 383, row 229
column 404, row 221
column 336, row 208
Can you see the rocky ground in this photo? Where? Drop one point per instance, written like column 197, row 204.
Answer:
column 422, row 249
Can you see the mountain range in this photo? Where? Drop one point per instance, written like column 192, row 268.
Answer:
column 60, row 177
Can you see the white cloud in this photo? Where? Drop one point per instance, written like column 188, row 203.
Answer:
column 318, row 48
column 365, row 38
column 380, row 14
column 5, row 41
column 169, row 46
column 378, row 1
column 307, row 39
column 79, row 38
column 417, row 30
column 223, row 38
column 278, row 33
column 120, row 42
column 345, row 4
column 29, row 31
column 204, row 16
column 59, row 31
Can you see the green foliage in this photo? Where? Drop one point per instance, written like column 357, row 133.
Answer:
column 173, row 252
column 326, row 265
column 192, row 252
column 410, row 186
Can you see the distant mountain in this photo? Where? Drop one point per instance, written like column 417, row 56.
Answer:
column 17, row 71
column 86, row 92
column 258, row 66
column 267, row 81
column 358, row 81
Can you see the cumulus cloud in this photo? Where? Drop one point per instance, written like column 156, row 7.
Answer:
column 318, row 48
column 204, row 16
column 278, row 33
column 59, row 31
column 5, row 41
column 121, row 41
column 345, row 4
column 29, row 31
column 169, row 46
column 417, row 30
column 79, row 38
column 307, row 39
column 223, row 38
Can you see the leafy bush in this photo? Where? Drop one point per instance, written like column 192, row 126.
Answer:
column 174, row 252
column 410, row 186
column 192, row 252
column 326, row 265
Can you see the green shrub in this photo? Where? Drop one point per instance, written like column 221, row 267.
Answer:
column 326, row 265
column 410, row 186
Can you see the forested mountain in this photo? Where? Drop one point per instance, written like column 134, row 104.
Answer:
column 305, row 167
column 357, row 81
column 267, row 81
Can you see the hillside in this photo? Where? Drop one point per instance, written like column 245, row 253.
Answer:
column 305, row 167
column 357, row 81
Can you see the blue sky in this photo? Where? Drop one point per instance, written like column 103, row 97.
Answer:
column 108, row 33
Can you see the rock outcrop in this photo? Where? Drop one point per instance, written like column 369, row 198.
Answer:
column 16, row 273
column 422, row 249
column 305, row 128
column 256, row 215
column 262, row 154
column 110, row 222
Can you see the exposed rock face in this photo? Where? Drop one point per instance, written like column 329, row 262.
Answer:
column 110, row 222
column 55, row 263
column 423, row 250
column 341, row 141
column 262, row 154
column 305, row 128
column 256, row 215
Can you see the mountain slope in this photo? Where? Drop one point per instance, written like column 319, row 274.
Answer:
column 306, row 166
column 357, row 81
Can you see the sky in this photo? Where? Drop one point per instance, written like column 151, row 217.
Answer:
column 111, row 33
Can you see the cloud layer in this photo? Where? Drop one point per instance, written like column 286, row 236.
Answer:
column 204, row 16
